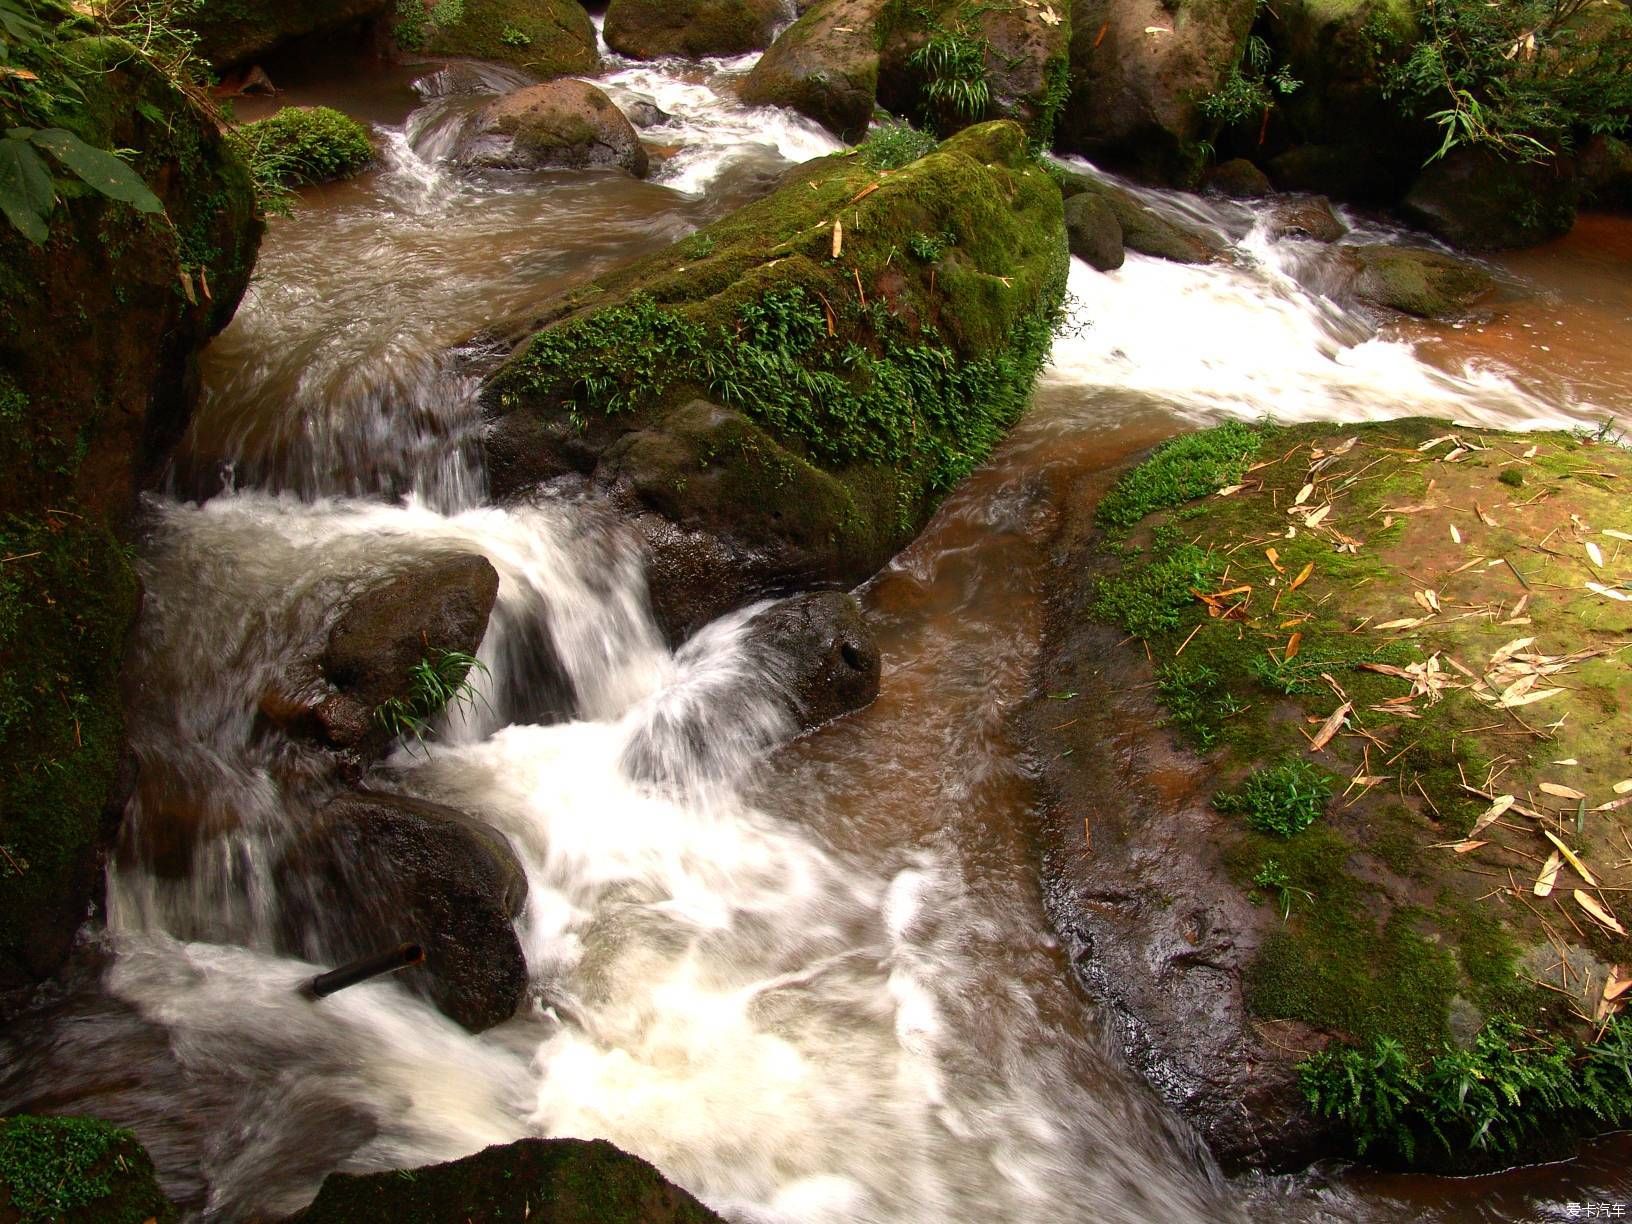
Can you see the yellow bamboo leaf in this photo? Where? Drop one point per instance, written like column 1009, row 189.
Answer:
column 1569, row 857
column 1549, row 875
column 1598, row 912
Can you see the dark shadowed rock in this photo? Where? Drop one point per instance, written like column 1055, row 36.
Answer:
column 373, row 870
column 1143, row 229
column 1428, row 284
column 825, row 66
column 1238, row 179
column 559, row 123
column 1605, row 167
column 546, row 1181
column 231, row 32
column 1481, row 202
column 824, row 652
column 692, row 29
column 1308, row 217
column 1094, row 232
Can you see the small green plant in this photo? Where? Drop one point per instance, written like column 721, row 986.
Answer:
column 1146, row 600
column 300, row 145
column 889, row 146
column 1189, row 466
column 1301, row 674
column 1513, row 478
column 956, row 91
column 1272, row 876
column 1198, row 705
column 512, row 37
column 439, row 680
column 1284, row 799
column 930, row 248
column 1251, row 88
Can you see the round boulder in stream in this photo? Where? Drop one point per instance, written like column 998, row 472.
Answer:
column 373, row 870
column 822, row 650
column 1428, row 284
column 559, row 123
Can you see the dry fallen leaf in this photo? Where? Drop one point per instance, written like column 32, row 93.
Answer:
column 1549, row 875
column 1503, row 802
column 1623, row 788
column 1463, row 847
column 1560, row 792
column 1303, row 577
column 1456, row 536
column 1303, row 494
column 1329, row 728
column 1598, row 912
column 1483, row 517
column 1617, row 535
column 1570, row 858
column 1595, row 554
column 1598, row 588
column 1318, row 515
column 1230, row 490
column 838, row 237
column 1275, row 560
column 1292, row 644
column 1407, row 622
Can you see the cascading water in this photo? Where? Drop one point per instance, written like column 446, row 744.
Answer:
column 815, row 985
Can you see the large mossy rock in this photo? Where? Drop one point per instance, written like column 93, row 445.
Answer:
column 1138, row 69
column 1480, row 201
column 373, row 870
column 547, row 1181
column 548, row 38
column 1287, row 852
column 77, row 1171
column 98, row 345
column 559, row 123
column 825, row 65
column 1142, row 229
column 691, row 29
column 233, row 32
column 1428, row 284
column 782, row 398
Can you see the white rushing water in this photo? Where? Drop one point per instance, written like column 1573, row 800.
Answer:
column 792, row 1028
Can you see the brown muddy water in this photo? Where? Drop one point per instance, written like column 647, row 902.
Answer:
column 811, row 983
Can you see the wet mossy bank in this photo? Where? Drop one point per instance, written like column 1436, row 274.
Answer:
column 783, row 397
column 1333, row 727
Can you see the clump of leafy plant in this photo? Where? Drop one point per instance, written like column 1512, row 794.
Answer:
column 1146, row 600
column 1522, row 77
column 40, row 90
column 1197, row 702
column 512, row 37
column 1189, row 466
column 1284, row 799
column 1272, row 877
column 441, row 679
column 417, row 22
column 1511, row 1089
column 956, row 91
column 889, row 146
column 300, row 145
column 930, row 248
column 1251, row 88
column 57, row 1167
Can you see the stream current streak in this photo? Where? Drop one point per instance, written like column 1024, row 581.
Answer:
column 809, row 986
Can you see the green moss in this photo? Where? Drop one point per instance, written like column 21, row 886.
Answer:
column 1190, row 466
column 305, row 144
column 1283, row 799
column 549, row 38
column 76, row 1171
column 889, row 146
column 1145, row 600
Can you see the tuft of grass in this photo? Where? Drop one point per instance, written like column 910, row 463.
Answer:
column 1155, row 598
column 956, row 90
column 439, row 680
column 1187, row 467
column 1511, row 477
column 889, row 146
column 1284, row 799
column 1272, row 876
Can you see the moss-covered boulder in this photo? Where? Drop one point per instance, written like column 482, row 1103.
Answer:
column 691, row 29
column 1138, row 69
column 234, row 32
column 98, row 340
column 867, row 337
column 825, row 65
column 559, row 123
column 1094, row 233
column 302, row 145
column 950, row 65
column 548, row 38
column 1372, row 680
column 1238, row 179
column 1428, row 284
column 550, row 1181
column 1481, row 201
column 1143, row 229
column 77, row 1171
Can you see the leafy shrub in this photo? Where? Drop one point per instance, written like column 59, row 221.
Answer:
column 1189, row 466
column 303, row 145
column 889, row 146
column 1284, row 799
column 1250, row 89
column 512, row 37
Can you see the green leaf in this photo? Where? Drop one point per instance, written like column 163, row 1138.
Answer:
column 99, row 169
column 26, row 194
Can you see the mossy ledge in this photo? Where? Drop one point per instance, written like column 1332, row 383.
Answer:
column 76, row 1171
column 1377, row 602
column 795, row 378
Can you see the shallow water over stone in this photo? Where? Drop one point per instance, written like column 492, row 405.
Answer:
column 813, row 983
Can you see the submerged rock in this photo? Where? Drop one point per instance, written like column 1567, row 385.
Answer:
column 548, row 38
column 1479, row 201
column 551, row 1181
column 691, row 29
column 1308, row 217
column 821, row 649
column 775, row 417
column 825, row 65
column 1138, row 68
column 1094, row 231
column 77, row 1171
column 1428, row 284
column 373, row 870
column 560, row 123
column 99, row 339
column 1143, row 229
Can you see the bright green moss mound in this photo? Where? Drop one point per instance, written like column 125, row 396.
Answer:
column 1190, row 466
column 305, row 144
column 76, row 1171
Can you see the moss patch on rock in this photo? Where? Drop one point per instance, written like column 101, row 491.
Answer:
column 548, row 38
column 1381, row 602
column 76, row 1171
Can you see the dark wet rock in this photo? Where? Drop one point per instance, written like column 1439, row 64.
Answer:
column 550, row 1181
column 373, row 870
column 77, row 1171
column 1238, row 179
column 1133, row 99
column 233, row 32
column 691, row 29
column 822, row 650
column 1094, row 232
column 548, row 38
column 559, row 123
column 99, row 348
column 1428, row 284
column 1309, row 217
column 1480, row 202
column 1143, row 229
column 1026, row 49
column 825, row 66
column 1605, row 168
column 440, row 605
column 644, row 113
column 743, row 484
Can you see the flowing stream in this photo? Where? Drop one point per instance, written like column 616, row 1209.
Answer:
column 811, row 982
